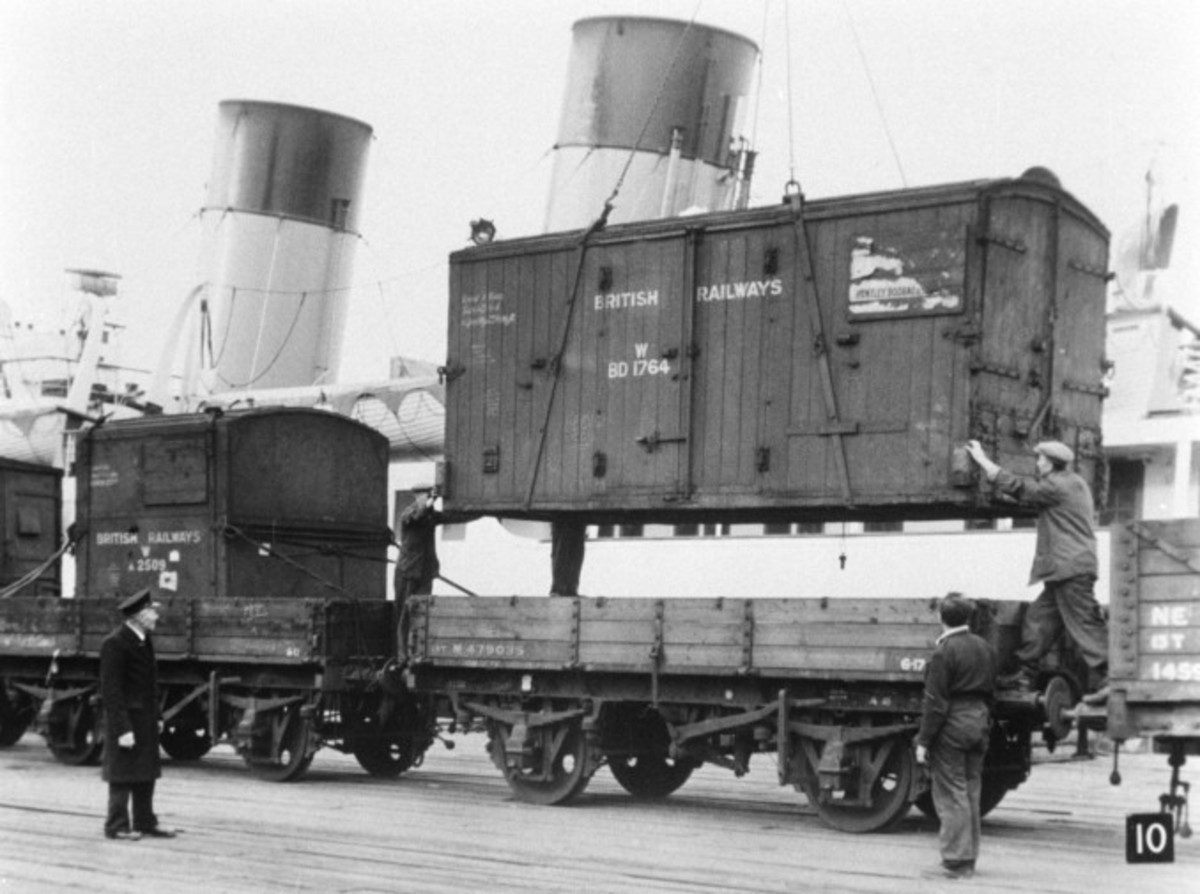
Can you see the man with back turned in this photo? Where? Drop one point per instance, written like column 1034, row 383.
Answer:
column 129, row 694
column 960, row 681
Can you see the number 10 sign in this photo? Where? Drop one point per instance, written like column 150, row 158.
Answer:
column 1149, row 838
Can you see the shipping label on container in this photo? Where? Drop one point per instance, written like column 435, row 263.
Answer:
column 481, row 309
column 910, row 274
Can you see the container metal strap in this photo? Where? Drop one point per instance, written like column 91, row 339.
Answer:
column 821, row 347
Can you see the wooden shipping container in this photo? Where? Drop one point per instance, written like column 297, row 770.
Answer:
column 816, row 360
column 30, row 527
column 257, row 504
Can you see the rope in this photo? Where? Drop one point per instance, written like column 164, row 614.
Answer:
column 355, row 602
column 226, row 528
column 31, row 576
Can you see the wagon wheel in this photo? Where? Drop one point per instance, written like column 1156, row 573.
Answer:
column 998, row 777
column 387, row 750
column 185, row 741
column 650, row 776
column 17, row 710
column 889, row 792
column 556, row 770
column 287, row 733
column 73, row 735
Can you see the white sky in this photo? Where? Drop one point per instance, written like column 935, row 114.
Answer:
column 108, row 112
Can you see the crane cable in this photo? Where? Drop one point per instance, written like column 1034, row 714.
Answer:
column 792, row 185
column 637, row 145
column 762, row 43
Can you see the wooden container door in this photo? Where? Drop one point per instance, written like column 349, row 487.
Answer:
column 630, row 354
column 1039, row 364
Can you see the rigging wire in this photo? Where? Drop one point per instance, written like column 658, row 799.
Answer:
column 762, row 44
column 637, row 144
column 887, row 130
column 787, row 37
column 278, row 352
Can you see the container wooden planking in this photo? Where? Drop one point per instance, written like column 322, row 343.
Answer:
column 252, row 504
column 1154, row 634
column 30, row 526
column 816, row 360
column 812, row 639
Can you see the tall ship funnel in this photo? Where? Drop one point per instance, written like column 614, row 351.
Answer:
column 280, row 226
column 665, row 98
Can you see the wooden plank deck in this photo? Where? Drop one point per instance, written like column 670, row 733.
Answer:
column 450, row 826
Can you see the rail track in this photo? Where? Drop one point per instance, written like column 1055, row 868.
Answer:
column 453, row 826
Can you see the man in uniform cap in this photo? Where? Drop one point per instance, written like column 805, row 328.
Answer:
column 129, row 696
column 1064, row 563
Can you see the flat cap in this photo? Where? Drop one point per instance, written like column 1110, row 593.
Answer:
column 131, row 605
column 1055, row 450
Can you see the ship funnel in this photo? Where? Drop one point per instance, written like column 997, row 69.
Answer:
column 280, row 228
column 662, row 96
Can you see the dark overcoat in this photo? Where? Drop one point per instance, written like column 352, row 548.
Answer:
column 128, row 692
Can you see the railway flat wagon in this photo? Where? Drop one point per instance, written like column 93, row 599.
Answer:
column 1154, row 634
column 820, row 359
column 263, row 534
column 654, row 688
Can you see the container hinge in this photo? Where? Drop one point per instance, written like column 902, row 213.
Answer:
column 1098, row 272
column 1011, row 244
column 968, row 333
column 1008, row 372
column 1100, row 390
column 651, row 441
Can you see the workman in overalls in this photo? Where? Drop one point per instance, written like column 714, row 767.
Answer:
column 960, row 681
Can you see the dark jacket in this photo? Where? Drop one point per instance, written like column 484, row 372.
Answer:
column 962, row 668
column 129, row 695
column 418, row 545
column 1066, row 546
